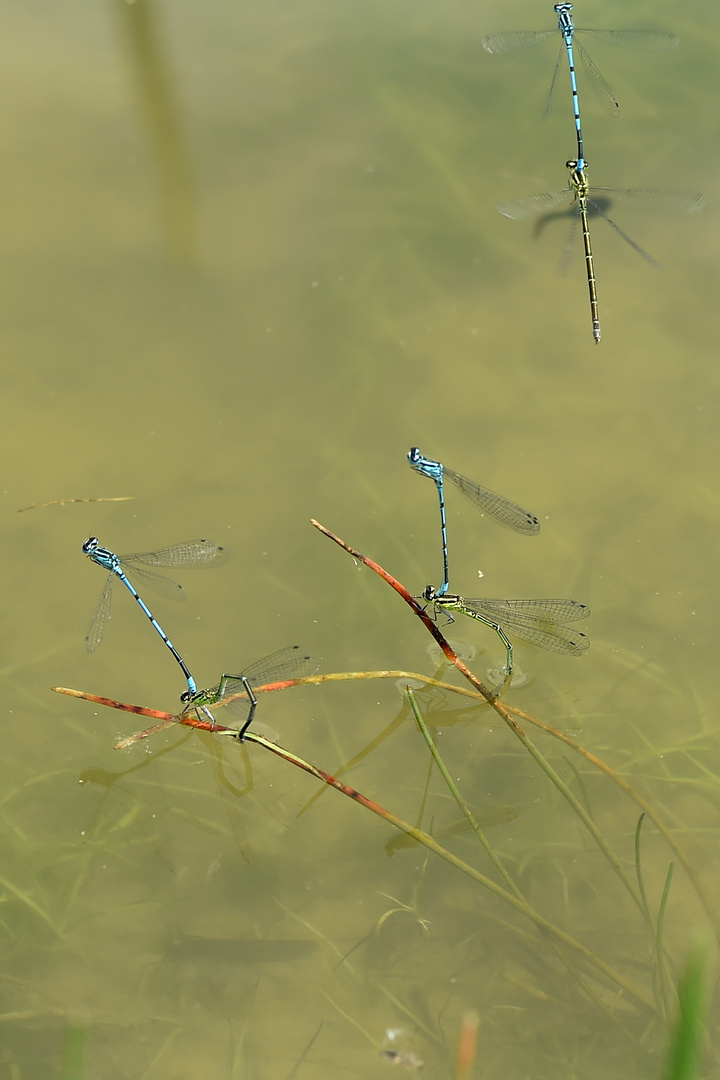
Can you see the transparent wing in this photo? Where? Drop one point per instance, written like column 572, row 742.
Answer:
column 554, row 80
column 538, row 621
column 101, row 617
column 531, row 205
column 598, row 83
column 289, row 663
column 501, row 509
column 665, row 201
column 166, row 587
column 515, row 39
column 650, row 40
column 553, row 612
column 189, row 553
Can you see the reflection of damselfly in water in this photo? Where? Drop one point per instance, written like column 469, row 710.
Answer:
column 579, row 201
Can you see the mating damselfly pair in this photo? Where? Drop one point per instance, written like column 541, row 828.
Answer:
column 583, row 201
column 540, row 622
column 283, row 666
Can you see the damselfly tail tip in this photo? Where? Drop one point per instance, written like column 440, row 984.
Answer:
column 596, row 332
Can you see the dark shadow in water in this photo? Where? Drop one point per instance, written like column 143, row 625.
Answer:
column 159, row 105
column 596, row 208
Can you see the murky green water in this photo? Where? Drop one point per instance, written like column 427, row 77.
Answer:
column 250, row 257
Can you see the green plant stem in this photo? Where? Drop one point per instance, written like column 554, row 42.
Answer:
column 423, row 838
column 29, row 902
column 688, row 1036
column 452, row 786
column 499, row 708
column 638, row 799
column 638, row 867
column 663, row 977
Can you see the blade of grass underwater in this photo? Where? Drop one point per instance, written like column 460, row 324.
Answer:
column 386, row 732
column 452, row 787
column 688, row 1033
column 511, row 710
column 30, row 903
column 543, row 924
column 293, row 1072
column 659, row 948
column 499, row 708
column 639, row 800
column 582, row 981
column 638, row 867
column 75, row 1041
column 524, row 908
column 343, row 959
column 663, row 987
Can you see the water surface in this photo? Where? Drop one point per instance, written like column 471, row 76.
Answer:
column 251, row 256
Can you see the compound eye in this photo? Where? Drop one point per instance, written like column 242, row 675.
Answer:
column 90, row 545
column 187, row 696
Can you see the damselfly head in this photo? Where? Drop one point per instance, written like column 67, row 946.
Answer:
column 91, row 545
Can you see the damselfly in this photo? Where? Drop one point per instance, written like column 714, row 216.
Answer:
column 577, row 194
column 499, row 508
column 282, row 666
column 190, row 553
column 520, row 39
column 541, row 622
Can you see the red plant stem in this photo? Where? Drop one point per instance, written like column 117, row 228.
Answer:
column 166, row 718
column 327, row 778
column 429, row 625
column 467, row 1049
column 139, row 710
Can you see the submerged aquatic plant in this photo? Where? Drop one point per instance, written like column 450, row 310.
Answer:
column 599, row 979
